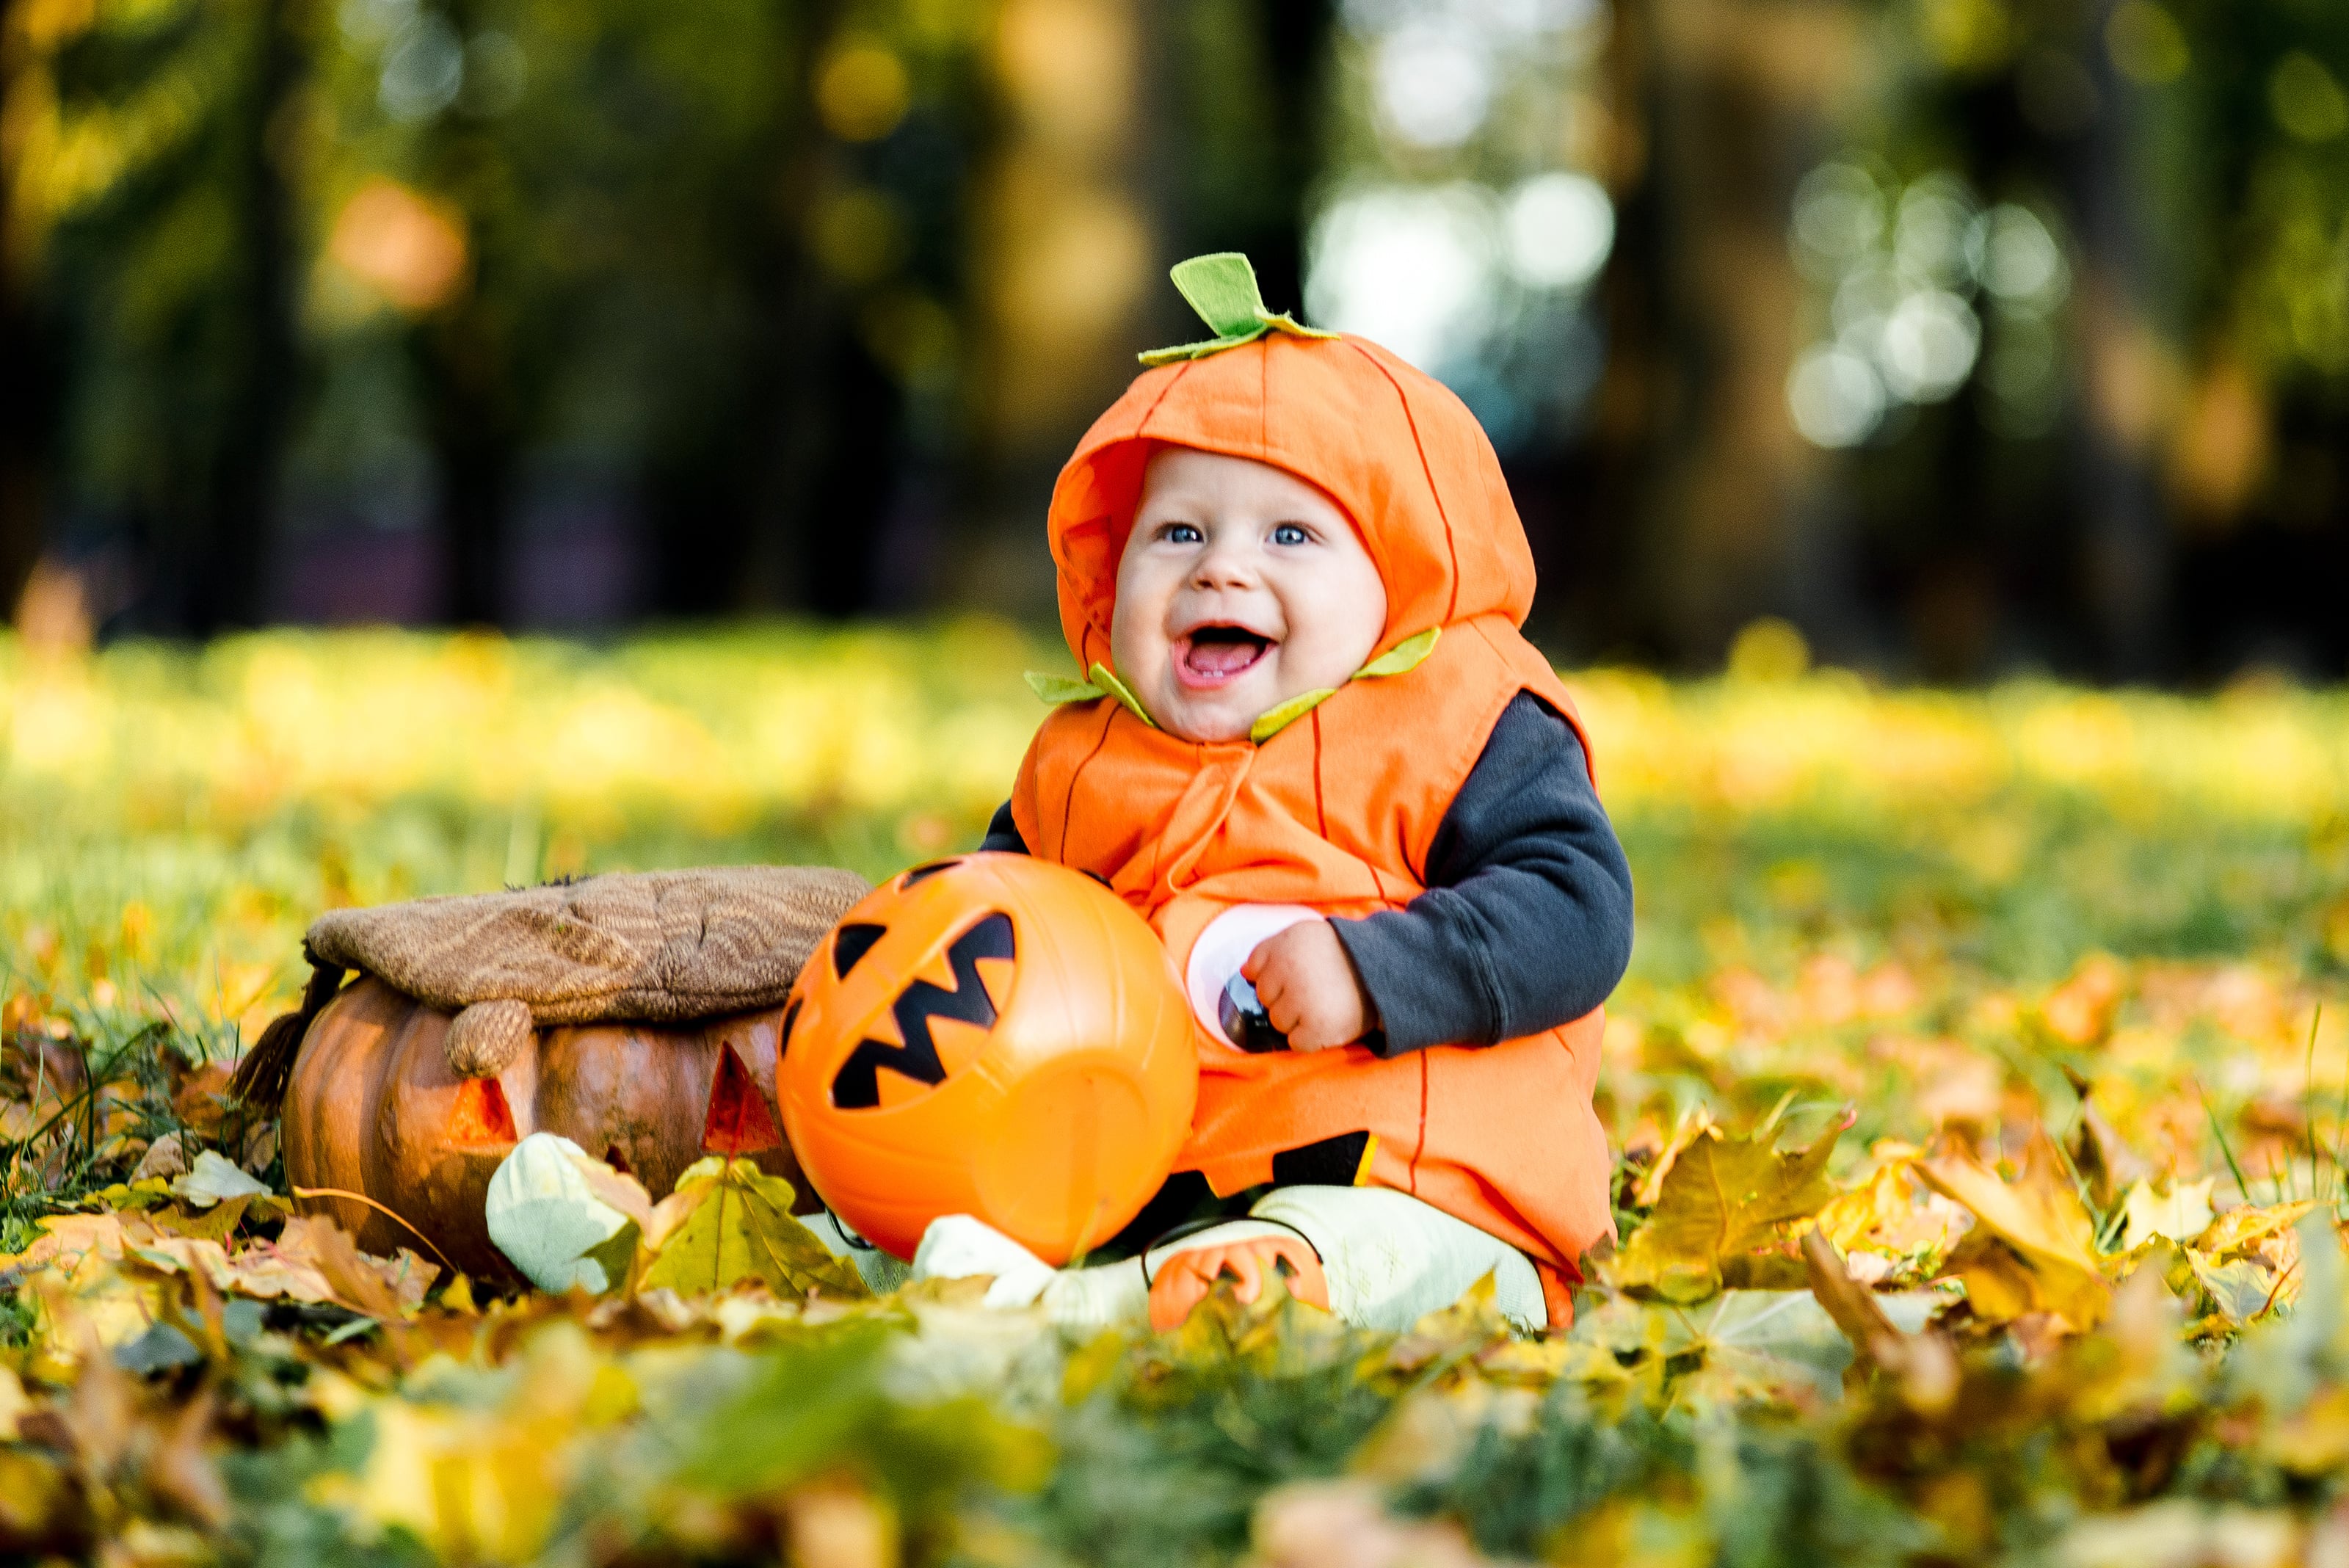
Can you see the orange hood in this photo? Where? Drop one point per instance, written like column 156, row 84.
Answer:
column 1395, row 448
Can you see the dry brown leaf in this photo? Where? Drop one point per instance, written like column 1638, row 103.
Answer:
column 2034, row 1246
column 1923, row 1364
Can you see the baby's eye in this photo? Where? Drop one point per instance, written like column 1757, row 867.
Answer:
column 1181, row 533
column 1290, row 534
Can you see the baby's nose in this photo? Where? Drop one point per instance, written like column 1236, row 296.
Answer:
column 1223, row 567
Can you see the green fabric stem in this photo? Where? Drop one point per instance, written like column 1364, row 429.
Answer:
column 1222, row 288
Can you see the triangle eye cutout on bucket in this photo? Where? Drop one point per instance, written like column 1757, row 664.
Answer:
column 739, row 1121
column 851, row 943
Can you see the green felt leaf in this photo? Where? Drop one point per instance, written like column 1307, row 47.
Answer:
column 1402, row 657
column 1284, row 322
column 1155, row 357
column 1222, row 288
column 1275, row 720
column 1059, row 689
column 1106, row 678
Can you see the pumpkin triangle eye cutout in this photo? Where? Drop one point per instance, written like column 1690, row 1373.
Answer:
column 857, row 1087
column 480, row 1115
column 850, row 945
column 739, row 1121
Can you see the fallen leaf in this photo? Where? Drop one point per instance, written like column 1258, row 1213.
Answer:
column 565, row 1218
column 164, row 1157
column 1695, row 1123
column 199, row 1100
column 68, row 1243
column 214, row 1179
column 1923, row 1364
column 2315, row 1440
column 2034, row 1247
column 2106, row 1161
column 1723, row 1199
column 2248, row 1226
column 182, row 1471
column 1345, row 1524
column 2181, row 1214
column 14, row 1403
column 836, row 1523
column 728, row 1221
column 2241, row 1289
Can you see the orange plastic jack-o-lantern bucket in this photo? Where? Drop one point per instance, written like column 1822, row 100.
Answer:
column 995, row 1036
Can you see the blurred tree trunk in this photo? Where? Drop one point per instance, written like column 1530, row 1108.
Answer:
column 27, row 394
column 719, row 509
column 2126, row 545
column 1233, row 138
column 228, row 567
column 1296, row 42
column 835, row 417
column 474, row 429
column 1724, row 101
column 1067, row 246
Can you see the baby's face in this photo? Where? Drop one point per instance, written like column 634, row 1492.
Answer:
column 1241, row 586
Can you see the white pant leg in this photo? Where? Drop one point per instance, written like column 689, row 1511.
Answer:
column 1392, row 1259
column 1389, row 1258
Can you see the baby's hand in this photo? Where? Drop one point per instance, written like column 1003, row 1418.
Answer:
column 1309, row 987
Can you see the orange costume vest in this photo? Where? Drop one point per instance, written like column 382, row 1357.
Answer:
column 1337, row 809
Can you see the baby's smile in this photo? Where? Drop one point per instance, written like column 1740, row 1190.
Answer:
column 1213, row 656
column 1241, row 586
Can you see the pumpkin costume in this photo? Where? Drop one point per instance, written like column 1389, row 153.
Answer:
column 1335, row 800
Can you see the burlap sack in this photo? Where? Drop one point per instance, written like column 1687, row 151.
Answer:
column 659, row 947
column 656, row 946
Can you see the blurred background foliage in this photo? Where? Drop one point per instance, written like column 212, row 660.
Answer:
column 1969, row 337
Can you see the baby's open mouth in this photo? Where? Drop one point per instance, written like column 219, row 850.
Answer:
column 1213, row 655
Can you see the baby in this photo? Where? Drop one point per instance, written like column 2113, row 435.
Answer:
column 1317, row 755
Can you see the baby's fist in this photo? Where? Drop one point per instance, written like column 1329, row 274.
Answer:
column 1309, row 987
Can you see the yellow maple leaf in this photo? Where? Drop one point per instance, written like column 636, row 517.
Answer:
column 2181, row 1214
column 1724, row 1200
column 2034, row 1246
column 731, row 1221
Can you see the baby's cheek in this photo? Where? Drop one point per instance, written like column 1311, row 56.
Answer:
column 1331, row 635
column 1137, row 652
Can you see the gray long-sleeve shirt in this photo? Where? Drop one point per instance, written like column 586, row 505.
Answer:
column 1527, row 920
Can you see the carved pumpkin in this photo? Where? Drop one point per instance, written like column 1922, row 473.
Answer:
column 995, row 1036
column 374, row 1107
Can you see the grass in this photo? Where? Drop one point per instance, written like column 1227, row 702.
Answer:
column 1970, row 917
